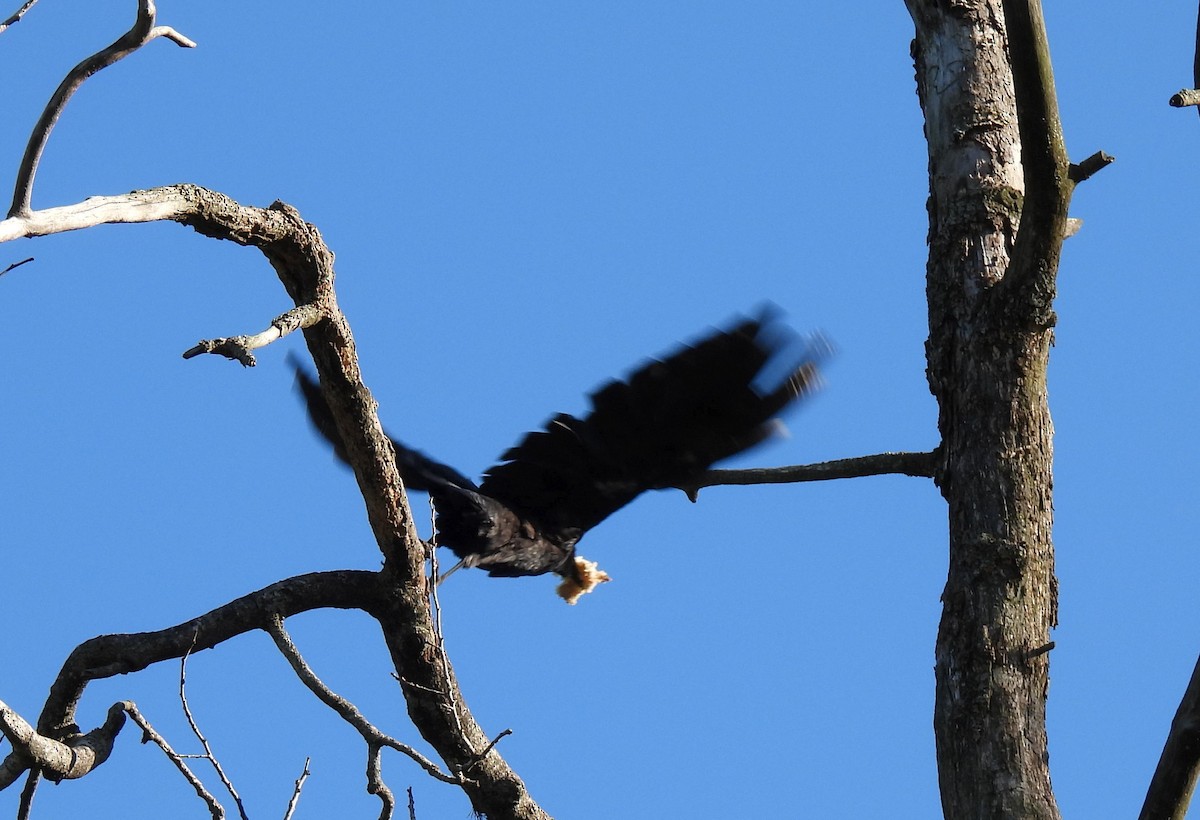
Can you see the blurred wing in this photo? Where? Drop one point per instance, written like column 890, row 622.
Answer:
column 417, row 470
column 669, row 422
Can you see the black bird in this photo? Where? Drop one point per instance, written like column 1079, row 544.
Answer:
column 664, row 426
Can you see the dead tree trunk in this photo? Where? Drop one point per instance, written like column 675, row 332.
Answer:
column 998, row 193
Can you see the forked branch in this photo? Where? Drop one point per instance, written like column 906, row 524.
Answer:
column 347, row 710
column 151, row 735
column 142, row 32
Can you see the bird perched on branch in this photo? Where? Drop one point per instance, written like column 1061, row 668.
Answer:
column 662, row 427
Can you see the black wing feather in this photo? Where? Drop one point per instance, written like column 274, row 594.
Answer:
column 671, row 420
column 417, row 470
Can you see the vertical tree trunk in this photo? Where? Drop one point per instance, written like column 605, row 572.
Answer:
column 987, row 352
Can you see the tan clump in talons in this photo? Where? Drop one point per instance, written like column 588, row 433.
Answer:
column 590, row 577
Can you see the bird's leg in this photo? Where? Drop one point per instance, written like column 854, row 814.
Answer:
column 451, row 571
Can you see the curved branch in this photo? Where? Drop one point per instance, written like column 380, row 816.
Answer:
column 68, row 759
column 142, row 32
column 304, row 265
column 109, row 655
column 919, row 465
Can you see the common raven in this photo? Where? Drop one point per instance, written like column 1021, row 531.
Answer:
column 664, row 426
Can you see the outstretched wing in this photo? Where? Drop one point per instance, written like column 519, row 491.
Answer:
column 417, row 470
column 671, row 420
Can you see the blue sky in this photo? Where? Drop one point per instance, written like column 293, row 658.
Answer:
column 526, row 200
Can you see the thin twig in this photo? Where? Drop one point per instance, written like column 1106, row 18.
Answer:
column 17, row 15
column 208, row 753
column 150, row 735
column 16, row 265
column 436, row 606
column 291, row 806
column 484, row 753
column 348, row 711
column 919, row 465
column 412, row 805
column 142, row 32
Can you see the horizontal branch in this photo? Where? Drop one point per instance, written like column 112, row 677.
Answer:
column 1090, row 167
column 920, row 465
column 1185, row 97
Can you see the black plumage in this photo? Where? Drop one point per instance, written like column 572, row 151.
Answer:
column 670, row 421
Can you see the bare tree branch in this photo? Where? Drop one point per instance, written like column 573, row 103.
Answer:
column 208, row 752
column 291, row 806
column 26, row 805
column 110, row 655
column 347, row 710
column 239, row 348
column 68, row 758
column 1034, row 262
column 919, row 465
column 150, row 735
column 16, row 265
column 1184, row 98
column 304, row 265
column 375, row 783
column 1191, row 96
column 142, row 32
column 1088, row 168
column 1174, row 779
column 17, row 15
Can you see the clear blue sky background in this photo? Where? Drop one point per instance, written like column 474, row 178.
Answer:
column 526, row 199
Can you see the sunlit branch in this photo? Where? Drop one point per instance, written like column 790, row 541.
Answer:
column 17, row 15
column 142, row 32
column 295, row 799
column 239, row 348
column 72, row 757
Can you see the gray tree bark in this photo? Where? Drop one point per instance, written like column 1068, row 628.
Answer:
column 997, row 208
